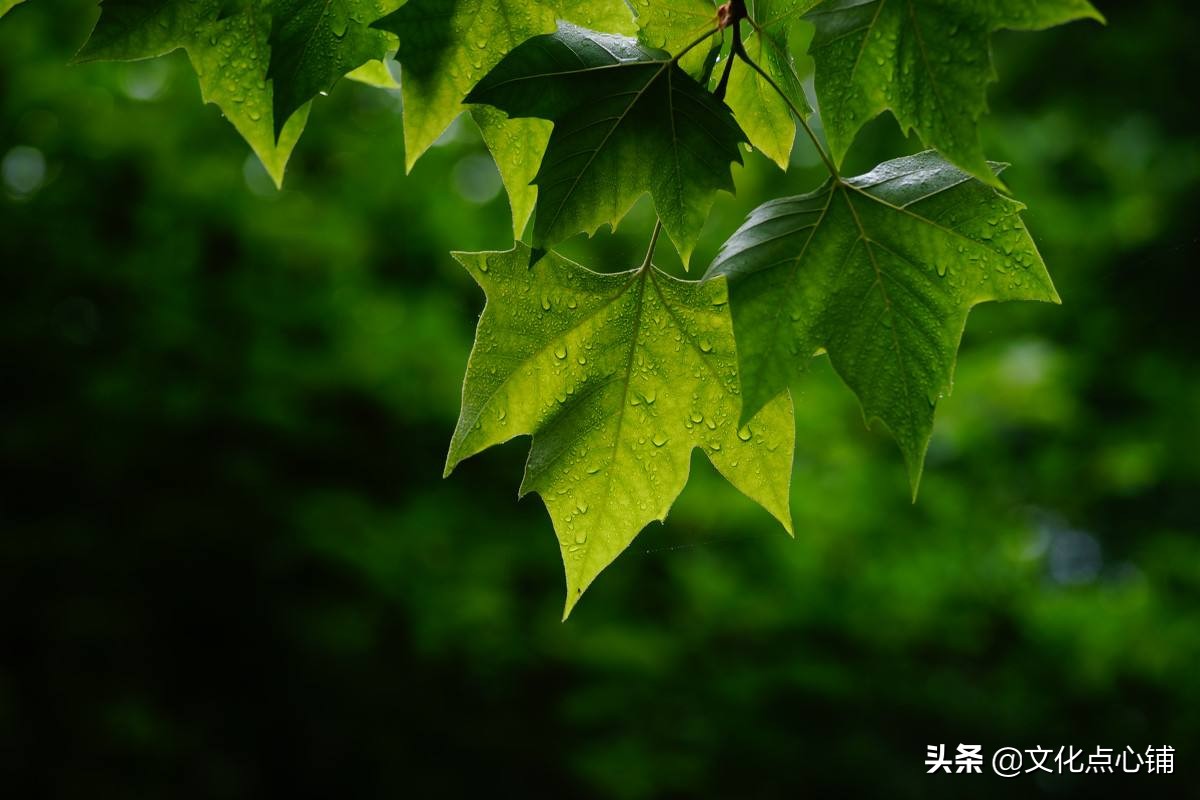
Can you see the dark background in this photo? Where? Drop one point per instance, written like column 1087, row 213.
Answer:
column 229, row 566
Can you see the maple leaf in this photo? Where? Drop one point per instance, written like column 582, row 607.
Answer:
column 446, row 46
column 672, row 25
column 759, row 109
column 229, row 50
column 617, row 377
column 928, row 61
column 374, row 73
column 880, row 271
column 316, row 42
column 627, row 120
column 517, row 145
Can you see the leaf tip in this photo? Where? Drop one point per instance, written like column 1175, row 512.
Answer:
column 990, row 175
column 471, row 262
column 275, row 174
column 572, row 599
column 915, row 463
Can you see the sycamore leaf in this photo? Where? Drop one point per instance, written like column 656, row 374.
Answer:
column 446, row 46
column 672, row 25
column 374, row 73
column 517, row 145
column 316, row 42
column 228, row 49
column 879, row 271
column 618, row 378
column 136, row 29
column 610, row 16
column 929, row 61
column 627, row 120
column 759, row 109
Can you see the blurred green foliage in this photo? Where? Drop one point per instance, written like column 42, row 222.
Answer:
column 230, row 567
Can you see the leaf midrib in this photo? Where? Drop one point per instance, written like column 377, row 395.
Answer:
column 600, row 146
column 604, row 305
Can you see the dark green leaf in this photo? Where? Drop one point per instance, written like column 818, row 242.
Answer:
column 627, row 120
column 316, row 42
column 880, row 272
column 927, row 60
column 446, row 46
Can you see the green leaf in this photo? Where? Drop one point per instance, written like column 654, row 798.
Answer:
column 518, row 146
column 135, row 29
column 316, row 42
column 446, row 46
column 610, row 16
column 8, row 5
column 879, row 271
column 672, row 25
column 759, row 109
column 627, row 121
column 374, row 73
column 929, row 61
column 229, row 52
column 618, row 378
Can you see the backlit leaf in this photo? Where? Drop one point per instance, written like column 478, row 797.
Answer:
column 672, row 25
column 518, row 146
column 618, row 378
column 229, row 50
column 759, row 109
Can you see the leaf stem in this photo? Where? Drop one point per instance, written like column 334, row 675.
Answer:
column 653, row 243
column 723, row 84
column 741, row 53
column 684, row 51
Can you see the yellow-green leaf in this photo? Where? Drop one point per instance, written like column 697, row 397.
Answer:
column 229, row 51
column 518, row 146
column 617, row 377
column 762, row 113
column 672, row 25
column 374, row 73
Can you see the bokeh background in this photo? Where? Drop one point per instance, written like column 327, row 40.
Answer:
column 230, row 568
